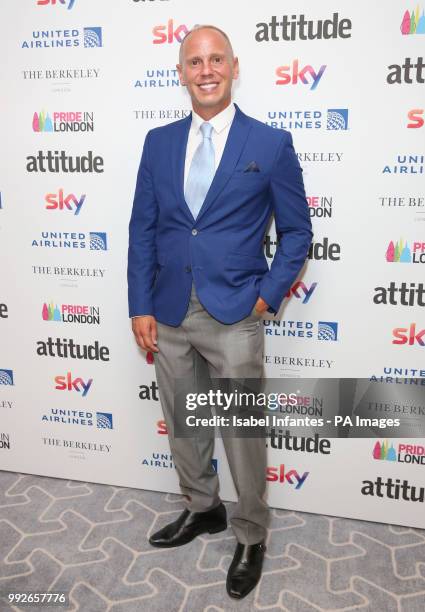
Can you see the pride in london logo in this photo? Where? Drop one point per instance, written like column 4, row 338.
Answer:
column 413, row 23
column 384, row 451
column 399, row 252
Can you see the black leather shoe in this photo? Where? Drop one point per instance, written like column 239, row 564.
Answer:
column 245, row 569
column 189, row 525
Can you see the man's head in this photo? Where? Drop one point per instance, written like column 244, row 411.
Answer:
column 207, row 67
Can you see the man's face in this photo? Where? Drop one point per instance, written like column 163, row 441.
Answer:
column 208, row 69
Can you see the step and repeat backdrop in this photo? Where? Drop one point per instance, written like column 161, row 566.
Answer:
column 82, row 82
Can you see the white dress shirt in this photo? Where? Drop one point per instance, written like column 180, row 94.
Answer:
column 221, row 125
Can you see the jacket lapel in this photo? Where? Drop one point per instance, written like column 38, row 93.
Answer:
column 179, row 145
column 235, row 143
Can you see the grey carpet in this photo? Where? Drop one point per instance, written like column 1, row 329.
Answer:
column 90, row 540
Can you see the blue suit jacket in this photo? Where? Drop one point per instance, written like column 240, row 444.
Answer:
column 222, row 250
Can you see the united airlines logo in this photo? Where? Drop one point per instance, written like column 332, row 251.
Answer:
column 6, row 377
column 337, row 119
column 98, row 241
column 88, row 37
column 327, row 330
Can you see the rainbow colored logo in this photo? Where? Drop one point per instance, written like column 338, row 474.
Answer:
column 398, row 253
column 51, row 313
column 383, row 452
column 413, row 23
column 42, row 122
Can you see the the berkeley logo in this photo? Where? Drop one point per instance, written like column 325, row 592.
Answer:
column 70, row 121
column 60, row 201
column 70, row 3
column 60, row 162
column 295, row 27
column 293, row 74
column 68, row 349
column 82, row 37
column 6, row 377
column 95, row 241
column 67, row 383
column 71, row 313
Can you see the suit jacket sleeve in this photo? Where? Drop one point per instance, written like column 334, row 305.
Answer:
column 142, row 260
column 293, row 225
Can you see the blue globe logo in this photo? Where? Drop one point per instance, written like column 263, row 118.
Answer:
column 336, row 121
column 326, row 332
column 97, row 242
column 92, row 37
column 103, row 421
column 5, row 378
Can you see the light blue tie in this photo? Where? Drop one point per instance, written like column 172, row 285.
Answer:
column 201, row 172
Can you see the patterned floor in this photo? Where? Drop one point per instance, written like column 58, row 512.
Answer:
column 91, row 541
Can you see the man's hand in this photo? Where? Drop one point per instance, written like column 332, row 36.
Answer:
column 146, row 333
column 261, row 306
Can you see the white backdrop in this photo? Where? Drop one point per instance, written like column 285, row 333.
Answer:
column 363, row 167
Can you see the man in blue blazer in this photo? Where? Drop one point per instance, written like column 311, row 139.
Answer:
column 198, row 280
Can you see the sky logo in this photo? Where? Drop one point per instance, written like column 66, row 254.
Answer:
column 6, row 377
column 104, row 420
column 67, row 383
column 61, row 202
column 327, row 330
column 291, row 477
column 297, row 74
column 93, row 37
column 413, row 23
column 300, row 290
column 98, row 241
column 337, row 119
column 44, row 2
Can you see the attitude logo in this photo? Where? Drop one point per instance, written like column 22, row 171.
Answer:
column 48, row 39
column 70, row 121
column 6, row 377
column 295, row 27
column 401, row 252
column 412, row 23
column 69, row 3
column 393, row 489
column 409, row 335
column 301, row 291
column 66, row 348
column 55, row 161
column 402, row 295
column 60, row 201
column 291, row 477
column 331, row 119
column 294, row 74
column 95, row 241
column 101, row 420
column 71, row 313
column 409, row 72
column 415, row 117
column 406, row 164
column 405, row 453
column 67, row 383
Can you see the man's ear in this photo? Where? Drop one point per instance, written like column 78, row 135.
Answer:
column 180, row 71
column 235, row 68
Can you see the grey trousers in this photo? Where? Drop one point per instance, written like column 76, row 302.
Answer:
column 202, row 346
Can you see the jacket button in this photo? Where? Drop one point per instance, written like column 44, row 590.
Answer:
column 194, row 232
column 188, row 269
